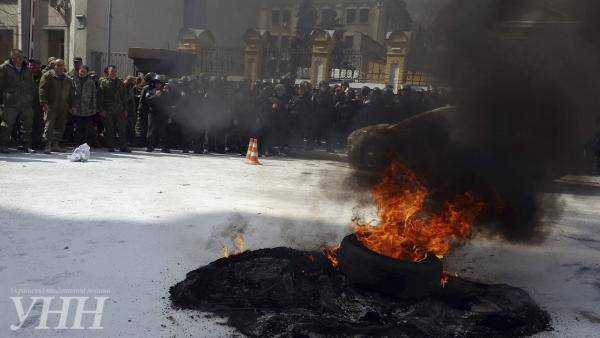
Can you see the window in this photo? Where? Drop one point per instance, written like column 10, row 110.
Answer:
column 275, row 17
column 349, row 42
column 329, row 19
column 6, row 43
column 286, row 16
column 351, row 16
column 364, row 15
column 56, row 43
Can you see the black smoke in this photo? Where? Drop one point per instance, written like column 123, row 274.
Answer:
column 524, row 80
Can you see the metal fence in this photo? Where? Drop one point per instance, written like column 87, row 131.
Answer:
column 220, row 61
column 358, row 66
column 347, row 65
column 124, row 64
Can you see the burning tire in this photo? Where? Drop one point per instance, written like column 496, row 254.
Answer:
column 401, row 279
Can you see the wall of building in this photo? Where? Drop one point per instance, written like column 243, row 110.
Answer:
column 229, row 20
column 135, row 23
column 9, row 27
column 380, row 16
column 50, row 23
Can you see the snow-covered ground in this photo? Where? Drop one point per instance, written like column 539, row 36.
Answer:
column 132, row 225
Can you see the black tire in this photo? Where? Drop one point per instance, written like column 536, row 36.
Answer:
column 401, row 279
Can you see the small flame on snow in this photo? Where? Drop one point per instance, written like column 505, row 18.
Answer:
column 239, row 245
column 331, row 254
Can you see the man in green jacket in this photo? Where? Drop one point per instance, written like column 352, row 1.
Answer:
column 57, row 98
column 18, row 90
column 114, row 109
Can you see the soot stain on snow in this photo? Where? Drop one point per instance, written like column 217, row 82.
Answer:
column 287, row 292
column 590, row 243
column 590, row 316
column 584, row 270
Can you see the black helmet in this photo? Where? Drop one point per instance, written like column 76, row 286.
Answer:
column 160, row 78
column 149, row 77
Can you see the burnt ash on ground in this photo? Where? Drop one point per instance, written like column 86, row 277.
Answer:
column 285, row 292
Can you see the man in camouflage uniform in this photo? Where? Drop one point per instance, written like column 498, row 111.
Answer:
column 35, row 68
column 86, row 98
column 74, row 73
column 74, row 76
column 114, row 103
column 18, row 89
column 49, row 66
column 57, row 98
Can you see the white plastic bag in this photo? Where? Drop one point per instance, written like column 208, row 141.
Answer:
column 81, row 154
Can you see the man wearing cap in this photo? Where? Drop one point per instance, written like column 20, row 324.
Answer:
column 50, row 65
column 77, row 63
column 113, row 103
column 74, row 73
column 57, row 98
column 17, row 88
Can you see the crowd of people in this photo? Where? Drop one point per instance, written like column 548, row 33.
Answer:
column 46, row 107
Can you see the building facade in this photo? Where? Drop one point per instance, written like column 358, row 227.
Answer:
column 70, row 28
column 373, row 18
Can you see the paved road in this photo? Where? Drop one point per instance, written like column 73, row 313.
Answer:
column 131, row 225
column 137, row 223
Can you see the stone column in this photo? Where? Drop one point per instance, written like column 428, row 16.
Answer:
column 198, row 42
column 194, row 41
column 323, row 43
column 254, row 54
column 397, row 44
column 78, row 30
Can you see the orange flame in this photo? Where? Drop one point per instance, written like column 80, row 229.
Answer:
column 408, row 230
column 330, row 253
column 445, row 279
column 225, row 251
column 239, row 244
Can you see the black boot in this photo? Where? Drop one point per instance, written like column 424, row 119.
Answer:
column 57, row 148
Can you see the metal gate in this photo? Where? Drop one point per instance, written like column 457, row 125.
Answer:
column 98, row 62
column 220, row 61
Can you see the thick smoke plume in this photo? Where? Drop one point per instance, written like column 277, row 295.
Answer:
column 526, row 102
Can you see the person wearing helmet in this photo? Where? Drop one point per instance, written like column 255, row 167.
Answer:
column 141, row 123
column 321, row 119
column 156, row 99
column 139, row 141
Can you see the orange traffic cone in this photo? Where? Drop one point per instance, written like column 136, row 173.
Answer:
column 249, row 148
column 254, row 153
